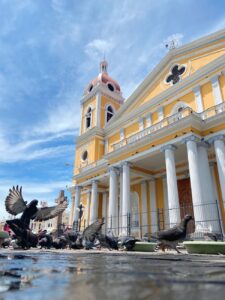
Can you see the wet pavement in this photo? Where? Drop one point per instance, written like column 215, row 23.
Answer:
column 110, row 275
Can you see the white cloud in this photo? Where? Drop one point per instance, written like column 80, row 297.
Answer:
column 98, row 47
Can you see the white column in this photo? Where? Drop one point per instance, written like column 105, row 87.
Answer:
column 94, row 202
column 220, row 159
column 125, row 196
column 144, row 216
column 216, row 197
column 153, row 206
column 113, row 199
column 171, row 177
column 198, row 99
column 160, row 112
column 77, row 203
column 209, row 207
column 88, row 207
column 216, row 90
column 104, row 210
column 165, row 202
column 192, row 152
column 72, row 210
column 98, row 109
column 121, row 201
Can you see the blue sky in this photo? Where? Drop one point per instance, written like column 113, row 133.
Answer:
column 51, row 49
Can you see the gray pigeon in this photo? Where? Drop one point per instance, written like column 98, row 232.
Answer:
column 108, row 241
column 90, row 233
column 171, row 237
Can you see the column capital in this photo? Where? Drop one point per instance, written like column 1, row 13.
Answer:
column 219, row 137
column 192, row 138
column 144, row 181
column 125, row 163
column 214, row 78
column 204, row 144
column 77, row 187
column 196, row 89
column 168, row 147
column 113, row 169
column 95, row 181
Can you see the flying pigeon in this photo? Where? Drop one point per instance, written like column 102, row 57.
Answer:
column 171, row 237
column 15, row 205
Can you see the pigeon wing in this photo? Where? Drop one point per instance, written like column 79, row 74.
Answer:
column 46, row 213
column 14, row 202
column 92, row 230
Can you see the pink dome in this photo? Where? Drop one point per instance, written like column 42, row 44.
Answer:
column 104, row 78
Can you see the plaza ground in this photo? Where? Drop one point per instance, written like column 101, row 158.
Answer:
column 81, row 274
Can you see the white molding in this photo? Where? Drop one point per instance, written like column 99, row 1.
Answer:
column 98, row 109
column 176, row 91
column 198, row 98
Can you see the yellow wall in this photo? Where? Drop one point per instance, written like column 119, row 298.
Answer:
column 207, row 95
column 104, row 102
column 90, row 102
column 222, row 85
column 193, row 64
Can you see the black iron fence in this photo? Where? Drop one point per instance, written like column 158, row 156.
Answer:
column 207, row 219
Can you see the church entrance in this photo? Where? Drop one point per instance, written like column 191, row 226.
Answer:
column 185, row 199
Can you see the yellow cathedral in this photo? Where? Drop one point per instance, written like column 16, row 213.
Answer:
column 144, row 162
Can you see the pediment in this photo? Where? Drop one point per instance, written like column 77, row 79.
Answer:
column 176, row 66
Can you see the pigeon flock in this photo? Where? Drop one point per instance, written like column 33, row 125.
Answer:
column 91, row 238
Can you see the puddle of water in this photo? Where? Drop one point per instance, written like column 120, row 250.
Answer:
column 52, row 275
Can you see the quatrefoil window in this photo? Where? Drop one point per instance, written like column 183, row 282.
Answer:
column 175, row 74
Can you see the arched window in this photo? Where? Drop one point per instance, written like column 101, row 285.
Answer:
column 88, row 118
column 109, row 113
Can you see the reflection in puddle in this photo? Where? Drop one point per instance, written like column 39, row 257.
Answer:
column 47, row 275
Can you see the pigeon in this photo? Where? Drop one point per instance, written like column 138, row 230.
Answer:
column 25, row 237
column 107, row 241
column 60, row 243
column 171, row 237
column 45, row 240
column 15, row 205
column 127, row 242
column 209, row 236
column 90, row 233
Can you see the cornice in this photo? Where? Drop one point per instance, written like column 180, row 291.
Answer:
column 169, row 59
column 84, row 138
column 104, row 90
column 198, row 77
column 192, row 120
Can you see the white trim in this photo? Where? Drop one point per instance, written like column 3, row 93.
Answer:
column 98, row 109
column 178, row 105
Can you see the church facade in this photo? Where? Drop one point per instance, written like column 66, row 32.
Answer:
column 145, row 162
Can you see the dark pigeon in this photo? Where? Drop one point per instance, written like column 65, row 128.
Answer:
column 209, row 236
column 45, row 240
column 15, row 205
column 25, row 237
column 108, row 241
column 127, row 242
column 60, row 243
column 171, row 237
